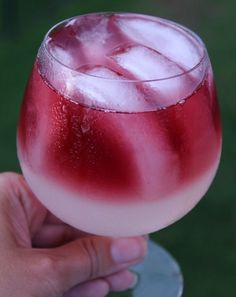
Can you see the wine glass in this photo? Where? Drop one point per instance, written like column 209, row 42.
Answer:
column 119, row 131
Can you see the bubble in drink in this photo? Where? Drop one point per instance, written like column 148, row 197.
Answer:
column 119, row 132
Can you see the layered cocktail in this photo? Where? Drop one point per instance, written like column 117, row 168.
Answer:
column 119, row 132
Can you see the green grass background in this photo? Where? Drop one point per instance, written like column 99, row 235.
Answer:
column 204, row 242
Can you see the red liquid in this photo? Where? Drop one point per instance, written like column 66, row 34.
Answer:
column 93, row 150
column 117, row 157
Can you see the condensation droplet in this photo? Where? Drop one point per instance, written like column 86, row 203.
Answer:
column 182, row 101
column 85, row 127
column 64, row 109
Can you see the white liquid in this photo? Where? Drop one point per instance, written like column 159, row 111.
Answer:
column 116, row 219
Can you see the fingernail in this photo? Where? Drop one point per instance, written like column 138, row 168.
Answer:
column 135, row 281
column 124, row 250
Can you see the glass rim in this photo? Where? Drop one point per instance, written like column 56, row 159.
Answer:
column 202, row 58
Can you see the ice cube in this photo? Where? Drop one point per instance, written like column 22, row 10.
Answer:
column 63, row 55
column 146, row 64
column 103, row 88
column 94, row 31
column 93, row 34
column 148, row 140
column 80, row 41
column 171, row 41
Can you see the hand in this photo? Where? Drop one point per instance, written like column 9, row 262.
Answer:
column 41, row 256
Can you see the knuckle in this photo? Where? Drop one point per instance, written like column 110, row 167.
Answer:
column 49, row 273
column 10, row 178
column 46, row 264
column 9, row 184
column 91, row 254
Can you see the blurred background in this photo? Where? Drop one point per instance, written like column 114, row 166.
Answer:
column 204, row 242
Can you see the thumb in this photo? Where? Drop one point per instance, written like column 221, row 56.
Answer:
column 88, row 258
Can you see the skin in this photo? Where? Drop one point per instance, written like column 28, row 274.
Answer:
column 40, row 256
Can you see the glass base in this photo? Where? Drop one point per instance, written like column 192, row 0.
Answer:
column 159, row 276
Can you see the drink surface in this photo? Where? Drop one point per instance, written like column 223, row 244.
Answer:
column 106, row 141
